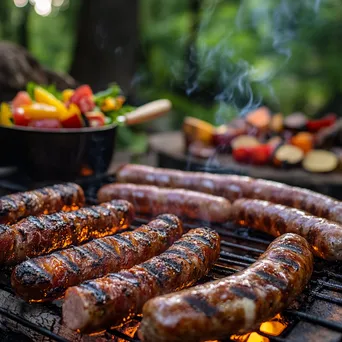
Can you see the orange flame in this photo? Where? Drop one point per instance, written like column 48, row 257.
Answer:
column 273, row 327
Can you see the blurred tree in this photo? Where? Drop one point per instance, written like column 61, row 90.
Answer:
column 13, row 22
column 285, row 53
column 107, row 40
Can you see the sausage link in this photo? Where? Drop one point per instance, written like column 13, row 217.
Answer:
column 106, row 301
column 47, row 277
column 324, row 237
column 235, row 304
column 46, row 200
column 233, row 187
column 152, row 200
column 39, row 235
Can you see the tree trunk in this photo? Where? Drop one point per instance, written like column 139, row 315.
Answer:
column 106, row 45
column 22, row 27
column 5, row 20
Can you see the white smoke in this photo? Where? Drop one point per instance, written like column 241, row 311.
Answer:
column 275, row 23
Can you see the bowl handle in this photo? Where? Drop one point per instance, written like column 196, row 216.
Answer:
column 147, row 112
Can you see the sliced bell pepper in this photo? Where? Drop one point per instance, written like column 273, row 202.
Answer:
column 38, row 111
column 95, row 119
column 67, row 94
column 44, row 97
column 5, row 115
column 120, row 100
column 73, row 119
column 327, row 121
column 20, row 118
column 256, row 155
column 109, row 104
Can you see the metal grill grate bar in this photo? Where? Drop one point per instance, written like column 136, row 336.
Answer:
column 241, row 249
column 316, row 320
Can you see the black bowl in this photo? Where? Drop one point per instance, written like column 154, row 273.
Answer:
column 57, row 154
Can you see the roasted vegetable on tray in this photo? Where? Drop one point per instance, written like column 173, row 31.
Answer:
column 262, row 138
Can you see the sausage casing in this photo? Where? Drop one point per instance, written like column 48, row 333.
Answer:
column 324, row 236
column 233, row 187
column 106, row 301
column 152, row 200
column 46, row 200
column 47, row 277
column 235, row 304
column 39, row 235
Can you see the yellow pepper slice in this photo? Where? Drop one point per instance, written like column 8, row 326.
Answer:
column 38, row 111
column 72, row 110
column 66, row 94
column 5, row 115
column 109, row 104
column 120, row 100
column 44, row 97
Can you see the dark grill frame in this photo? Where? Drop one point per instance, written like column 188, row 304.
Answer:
column 240, row 247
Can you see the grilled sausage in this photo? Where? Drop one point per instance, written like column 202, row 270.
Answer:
column 324, row 237
column 46, row 200
column 39, row 235
column 153, row 200
column 47, row 277
column 107, row 301
column 233, row 187
column 235, row 304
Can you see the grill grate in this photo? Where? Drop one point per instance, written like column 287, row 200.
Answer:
column 319, row 307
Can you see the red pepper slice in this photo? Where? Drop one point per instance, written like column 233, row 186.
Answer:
column 74, row 121
column 327, row 121
column 96, row 119
column 256, row 155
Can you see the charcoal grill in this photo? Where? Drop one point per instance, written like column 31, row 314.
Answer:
column 315, row 316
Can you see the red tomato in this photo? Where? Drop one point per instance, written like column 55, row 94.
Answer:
column 20, row 118
column 21, row 99
column 83, row 98
column 95, row 119
column 45, row 123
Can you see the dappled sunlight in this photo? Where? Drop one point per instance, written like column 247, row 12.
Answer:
column 42, row 7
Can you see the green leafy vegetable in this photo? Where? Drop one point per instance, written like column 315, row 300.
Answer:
column 114, row 114
column 30, row 89
column 113, row 91
column 51, row 88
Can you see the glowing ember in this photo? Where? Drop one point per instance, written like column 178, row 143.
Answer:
column 274, row 328
column 86, row 171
